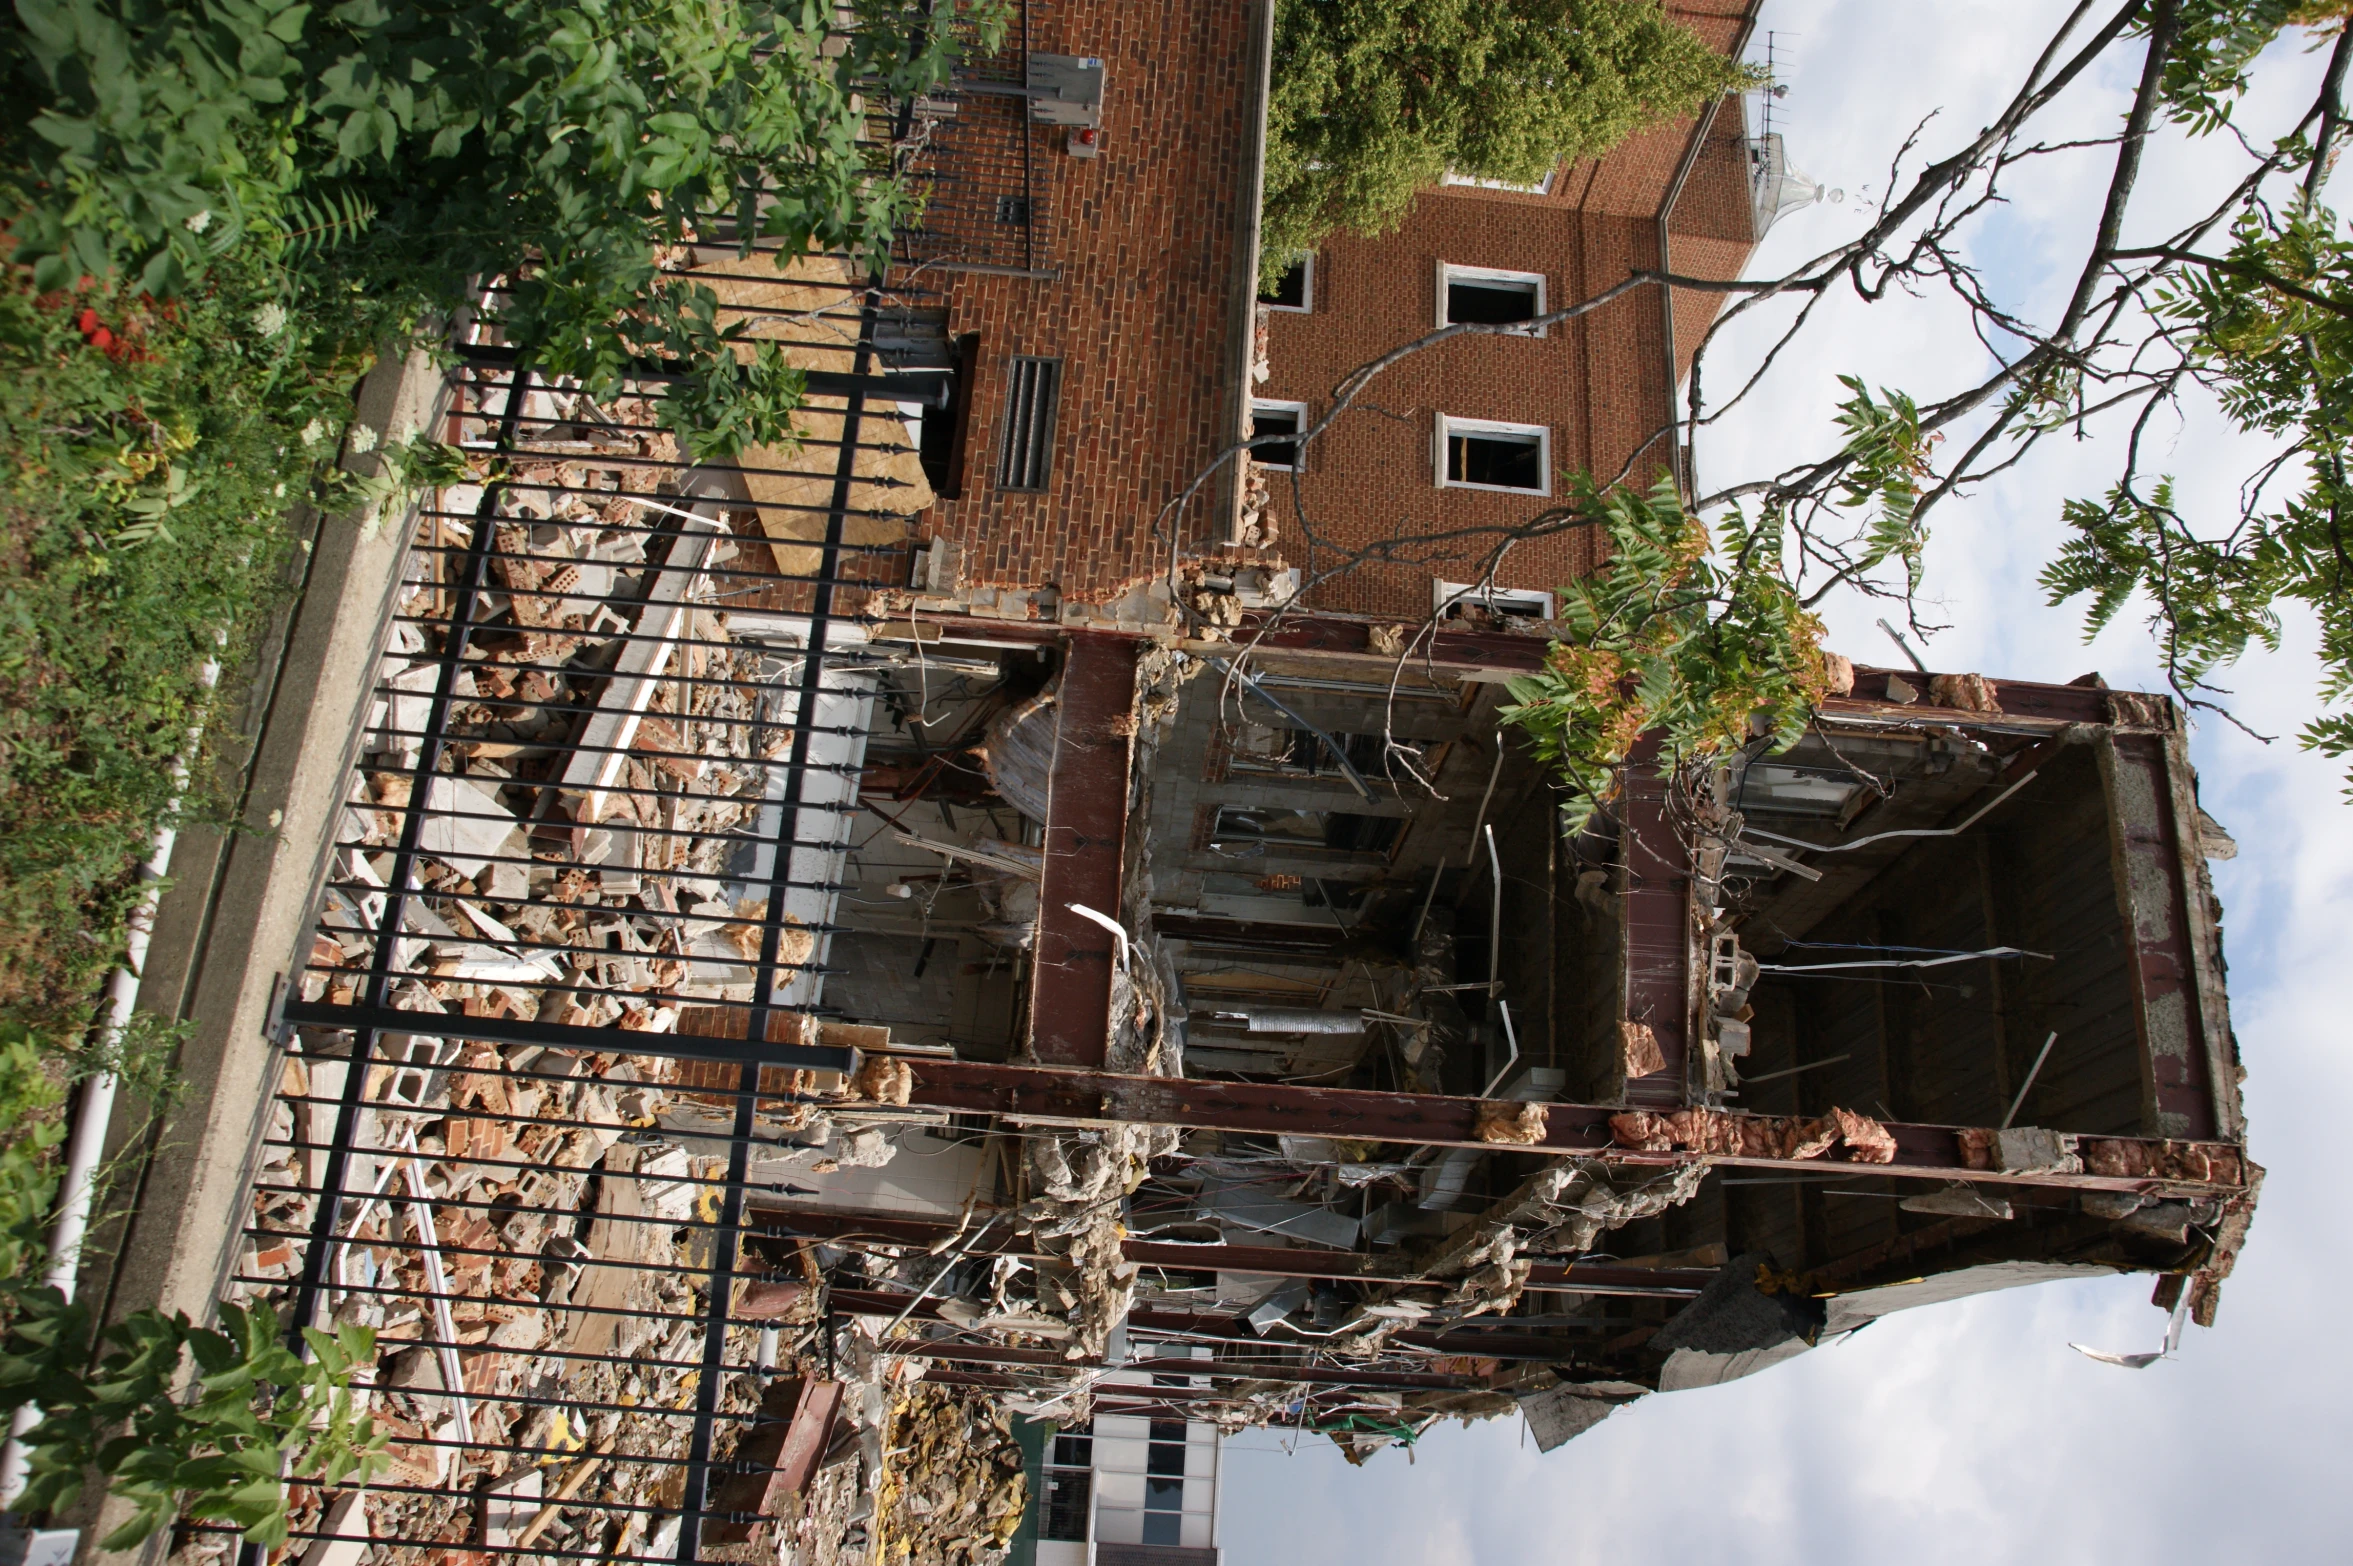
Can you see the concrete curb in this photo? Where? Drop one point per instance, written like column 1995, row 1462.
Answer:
column 233, row 923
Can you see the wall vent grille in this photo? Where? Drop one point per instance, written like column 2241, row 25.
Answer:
column 1026, row 459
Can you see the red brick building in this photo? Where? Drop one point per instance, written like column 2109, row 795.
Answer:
column 1110, row 356
column 1476, row 433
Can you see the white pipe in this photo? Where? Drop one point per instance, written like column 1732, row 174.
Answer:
column 2027, row 1086
column 1511, row 1037
column 1495, row 920
column 83, row 1150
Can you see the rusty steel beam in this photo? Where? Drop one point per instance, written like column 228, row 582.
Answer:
column 1070, row 987
column 2016, row 698
column 1657, row 903
column 1297, row 632
column 1922, row 1152
column 1208, row 1369
column 1274, row 1261
column 2151, row 866
column 999, row 1238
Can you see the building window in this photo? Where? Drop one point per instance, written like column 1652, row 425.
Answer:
column 1253, row 829
column 1070, row 1487
column 1481, row 454
column 1481, row 296
column 1542, row 187
column 1779, row 788
column 1034, row 386
column 1465, row 600
column 1277, row 418
column 1164, row 1482
column 1295, row 289
column 1301, row 753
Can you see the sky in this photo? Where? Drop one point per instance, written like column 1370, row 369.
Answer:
column 1971, row 1432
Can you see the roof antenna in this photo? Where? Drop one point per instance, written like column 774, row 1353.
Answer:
column 1898, row 638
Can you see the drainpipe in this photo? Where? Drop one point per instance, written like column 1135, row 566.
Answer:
column 1679, row 460
column 87, row 1144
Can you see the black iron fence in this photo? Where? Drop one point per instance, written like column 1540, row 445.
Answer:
column 581, row 898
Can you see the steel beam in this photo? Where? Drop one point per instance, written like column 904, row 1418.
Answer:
column 1656, row 958
column 999, row 1238
column 1086, row 838
column 1922, row 1152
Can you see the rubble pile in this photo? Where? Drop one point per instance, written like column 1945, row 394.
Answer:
column 527, row 1244
column 585, row 856
column 953, row 1488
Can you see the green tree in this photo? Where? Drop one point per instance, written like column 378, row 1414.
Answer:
column 404, row 155
column 1377, row 99
column 219, row 1449
column 2269, row 328
column 1699, row 645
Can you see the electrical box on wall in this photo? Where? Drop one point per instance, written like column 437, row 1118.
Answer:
column 1066, row 89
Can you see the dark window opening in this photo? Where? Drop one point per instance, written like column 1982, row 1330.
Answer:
column 1013, row 210
column 940, row 447
column 1166, row 1379
column 1165, row 1459
column 1324, row 894
column 1164, row 1495
column 1027, row 458
column 1295, row 831
column 1291, row 752
column 1275, row 421
column 1490, row 302
column 1163, row 1528
column 1362, row 834
column 1068, row 1493
column 1074, row 1451
column 1501, row 604
column 1496, row 458
column 1169, row 1430
column 1291, row 289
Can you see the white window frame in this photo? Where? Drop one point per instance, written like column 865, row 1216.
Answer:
column 1306, row 305
column 1278, row 405
column 1449, row 273
column 1449, row 425
column 1448, row 595
column 1542, row 187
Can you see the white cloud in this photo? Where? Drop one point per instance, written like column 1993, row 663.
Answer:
column 1971, row 1433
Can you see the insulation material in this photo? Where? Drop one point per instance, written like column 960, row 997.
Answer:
column 1019, row 753
column 1511, row 1124
column 1639, row 1049
column 1716, row 1132
column 954, row 1490
column 1968, row 692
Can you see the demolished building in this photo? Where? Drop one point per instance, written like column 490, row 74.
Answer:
column 836, row 974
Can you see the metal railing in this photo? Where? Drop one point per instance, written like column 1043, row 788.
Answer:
column 976, row 152
column 565, row 976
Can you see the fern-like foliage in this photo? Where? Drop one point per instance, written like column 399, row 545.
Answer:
column 313, row 224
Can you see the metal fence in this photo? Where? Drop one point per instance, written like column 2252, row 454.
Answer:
column 976, row 150
column 593, row 834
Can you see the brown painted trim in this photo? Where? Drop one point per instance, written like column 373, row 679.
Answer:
column 1086, row 835
column 1044, row 1094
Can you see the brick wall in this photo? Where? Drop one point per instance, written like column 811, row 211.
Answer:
column 1599, row 384
column 1147, row 239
